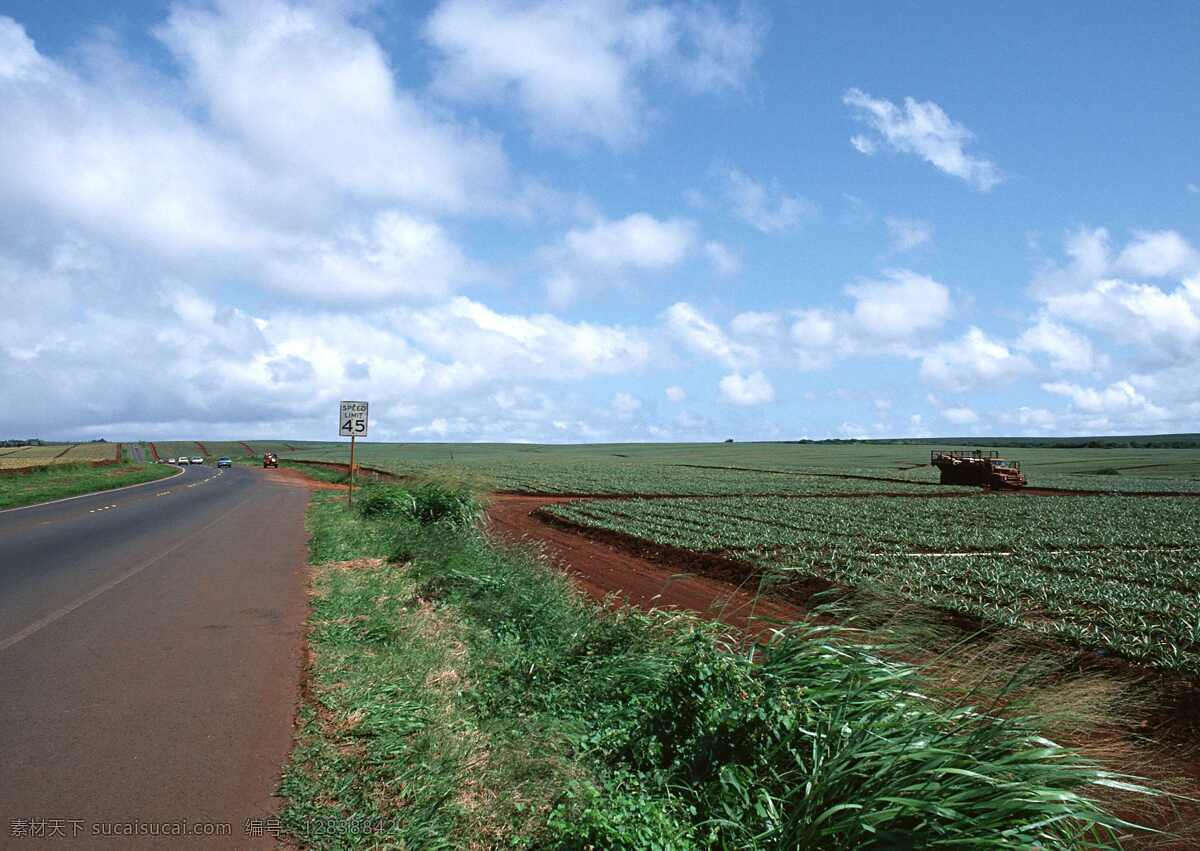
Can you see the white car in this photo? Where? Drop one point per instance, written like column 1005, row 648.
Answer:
column 197, row 460
column 182, row 461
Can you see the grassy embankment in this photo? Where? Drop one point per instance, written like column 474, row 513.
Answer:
column 332, row 475
column 62, row 480
column 462, row 695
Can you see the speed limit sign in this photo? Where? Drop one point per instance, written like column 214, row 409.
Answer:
column 352, row 419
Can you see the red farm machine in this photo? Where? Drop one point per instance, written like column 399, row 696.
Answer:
column 985, row 469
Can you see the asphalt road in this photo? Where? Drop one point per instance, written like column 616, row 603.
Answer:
column 150, row 657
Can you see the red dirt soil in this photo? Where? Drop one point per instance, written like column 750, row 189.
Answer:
column 296, row 478
column 203, row 449
column 154, row 452
column 249, row 449
column 603, row 570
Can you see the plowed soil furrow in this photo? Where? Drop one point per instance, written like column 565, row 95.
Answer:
column 605, row 570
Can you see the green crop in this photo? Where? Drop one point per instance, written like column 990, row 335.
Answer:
column 1116, row 574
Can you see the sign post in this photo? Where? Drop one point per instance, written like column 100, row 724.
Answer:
column 352, row 423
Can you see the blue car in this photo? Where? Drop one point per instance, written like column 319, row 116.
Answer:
column 224, row 462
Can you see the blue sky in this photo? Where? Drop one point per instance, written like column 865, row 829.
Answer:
column 601, row 220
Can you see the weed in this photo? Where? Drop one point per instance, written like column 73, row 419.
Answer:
column 426, row 503
column 471, row 698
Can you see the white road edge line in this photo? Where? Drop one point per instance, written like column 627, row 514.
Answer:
column 57, row 614
column 95, row 493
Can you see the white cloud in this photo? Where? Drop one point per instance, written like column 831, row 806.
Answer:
column 206, row 176
column 1158, row 254
column 399, row 255
column 815, row 329
column 573, row 68
column 1165, row 324
column 562, row 288
column 1090, row 259
column 770, row 210
column 1193, row 188
column 516, row 345
column 588, row 258
column 1038, row 419
column 189, row 356
column 1160, row 322
column 907, row 234
column 694, row 331
column 757, row 325
column 637, row 241
column 1069, row 350
column 438, row 427
column 854, row 431
column 960, row 416
column 19, row 59
column 924, row 129
column 724, row 260
column 1120, row 397
column 625, row 404
column 972, row 360
column 863, row 145
column 902, row 304
column 752, row 389
column 308, row 91
column 888, row 314
column 676, row 393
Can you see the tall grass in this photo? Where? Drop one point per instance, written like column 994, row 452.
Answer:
column 608, row 728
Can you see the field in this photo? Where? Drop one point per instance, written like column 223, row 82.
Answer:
column 1073, row 606
column 750, row 467
column 64, row 453
column 1106, row 568
column 1117, row 574
column 210, row 449
column 56, row 481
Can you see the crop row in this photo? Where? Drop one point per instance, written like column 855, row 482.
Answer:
column 1104, row 572
column 898, row 524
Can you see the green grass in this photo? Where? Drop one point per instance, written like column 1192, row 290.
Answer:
column 462, row 695
column 62, row 480
column 314, row 471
